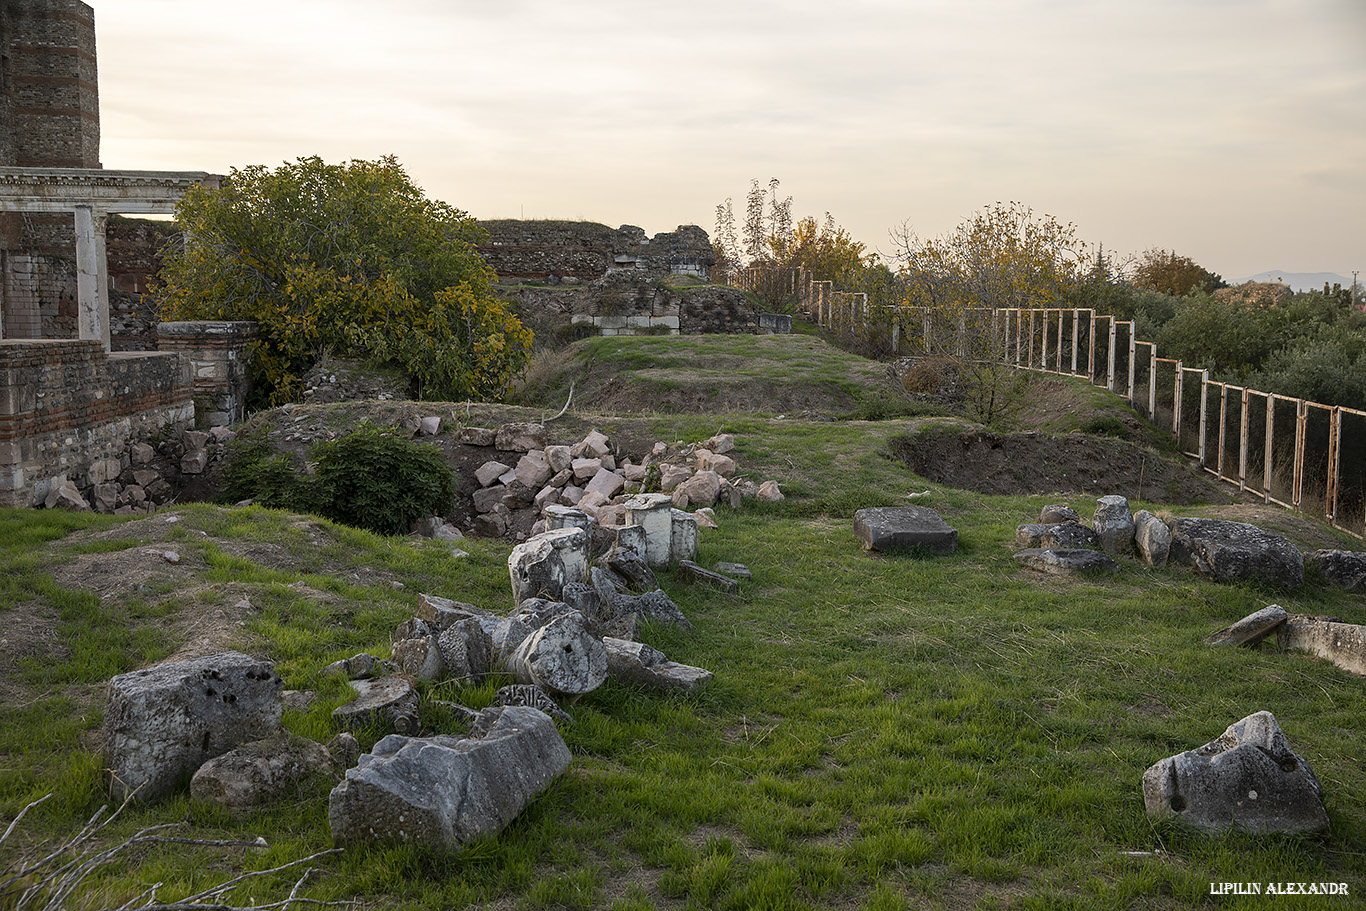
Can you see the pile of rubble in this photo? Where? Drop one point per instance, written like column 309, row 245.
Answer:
column 532, row 474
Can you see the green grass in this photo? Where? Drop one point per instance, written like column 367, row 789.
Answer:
column 882, row 732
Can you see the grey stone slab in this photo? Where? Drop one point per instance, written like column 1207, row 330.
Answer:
column 888, row 529
column 1065, row 562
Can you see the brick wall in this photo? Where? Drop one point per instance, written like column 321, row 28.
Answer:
column 65, row 405
column 50, row 84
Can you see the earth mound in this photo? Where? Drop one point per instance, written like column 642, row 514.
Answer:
column 1037, row 463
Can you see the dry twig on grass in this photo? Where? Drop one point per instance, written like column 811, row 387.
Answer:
column 49, row 882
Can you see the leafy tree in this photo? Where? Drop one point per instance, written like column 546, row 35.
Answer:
column 1170, row 273
column 1002, row 257
column 1328, row 367
column 351, row 259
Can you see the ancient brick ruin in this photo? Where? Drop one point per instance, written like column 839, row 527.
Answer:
column 70, row 405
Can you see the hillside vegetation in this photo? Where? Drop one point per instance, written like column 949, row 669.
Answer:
column 882, row 732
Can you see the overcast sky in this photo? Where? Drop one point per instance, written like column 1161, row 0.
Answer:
column 1233, row 131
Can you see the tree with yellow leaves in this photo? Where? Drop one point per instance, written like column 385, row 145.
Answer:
column 350, row 259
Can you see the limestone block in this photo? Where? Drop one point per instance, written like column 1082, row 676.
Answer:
column 141, row 454
column 691, row 572
column 1235, row 551
column 1115, row 525
column 735, row 571
column 146, row 477
column 596, row 445
column 670, row 476
column 1249, row 779
column 489, row 473
column 709, row 461
column 1342, row 568
column 1068, row 535
column 634, row 662
column 1152, row 538
column 632, row 568
column 1252, row 629
column 682, row 536
column 585, row 468
column 260, row 773
column 447, row 792
column 533, row 470
column 546, row 497
column 194, row 462
column 1056, row 514
column 607, row 483
column 475, row 436
column 706, row 518
column 888, row 529
column 702, row 489
column 105, row 497
column 357, row 667
column 487, row 498
column 769, row 492
column 430, row 426
column 561, row 657
column 389, row 703
column 517, row 495
column 520, row 437
column 195, row 439
column 655, row 605
column 467, row 651
column 1344, row 644
column 654, row 514
column 66, row 496
column 102, row 471
column 419, row 658
column 720, row 444
column 558, row 458
column 1061, row 561
column 629, row 538
column 541, row 566
column 571, row 496
column 494, row 523
column 162, row 723
column 442, row 612
column 561, row 478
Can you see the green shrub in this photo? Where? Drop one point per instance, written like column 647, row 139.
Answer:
column 375, row 479
column 371, row 478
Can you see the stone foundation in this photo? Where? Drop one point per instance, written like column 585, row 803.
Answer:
column 217, row 353
column 67, row 405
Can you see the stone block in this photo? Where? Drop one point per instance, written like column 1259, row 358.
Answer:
column 559, row 458
column 487, row 498
column 607, row 483
column 387, row 703
column 543, row 565
column 1342, row 568
column 653, row 512
column 888, row 529
column 446, row 792
column 1248, row 779
column 1061, row 561
column 162, row 723
column 1235, row 551
column 520, row 437
column 533, row 469
column 475, row 436
column 260, row 773
column 1252, row 629
column 1152, row 538
column 637, row 663
column 1115, row 525
column 561, row 657
column 682, row 536
column 1344, row 644
column 489, row 473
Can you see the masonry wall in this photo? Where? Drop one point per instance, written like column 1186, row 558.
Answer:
column 217, row 354
column 579, row 251
column 66, row 407
column 50, row 85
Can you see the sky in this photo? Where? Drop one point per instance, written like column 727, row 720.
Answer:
column 1230, row 131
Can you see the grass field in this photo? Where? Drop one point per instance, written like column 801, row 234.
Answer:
column 882, row 732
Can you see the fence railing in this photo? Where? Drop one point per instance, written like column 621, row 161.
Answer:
column 1292, row 452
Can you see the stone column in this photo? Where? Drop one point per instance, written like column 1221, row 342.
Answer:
column 92, row 296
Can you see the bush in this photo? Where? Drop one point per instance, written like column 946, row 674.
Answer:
column 372, row 478
column 375, row 479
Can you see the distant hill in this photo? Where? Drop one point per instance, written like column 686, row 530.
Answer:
column 1298, row 281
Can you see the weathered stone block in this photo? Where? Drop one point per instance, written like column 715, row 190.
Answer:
column 261, row 772
column 1235, row 551
column 1064, row 562
column 444, row 791
column 520, row 437
column 1247, row 779
column 563, row 657
column 541, row 566
column 635, row 662
column 164, row 722
column 389, row 703
column 888, row 529
column 1114, row 523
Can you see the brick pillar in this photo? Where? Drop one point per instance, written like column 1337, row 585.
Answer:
column 218, row 353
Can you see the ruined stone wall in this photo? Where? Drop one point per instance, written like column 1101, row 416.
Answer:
column 624, row 303
column 37, row 296
column 134, row 248
column 578, row 251
column 49, row 82
column 217, row 354
column 67, row 409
